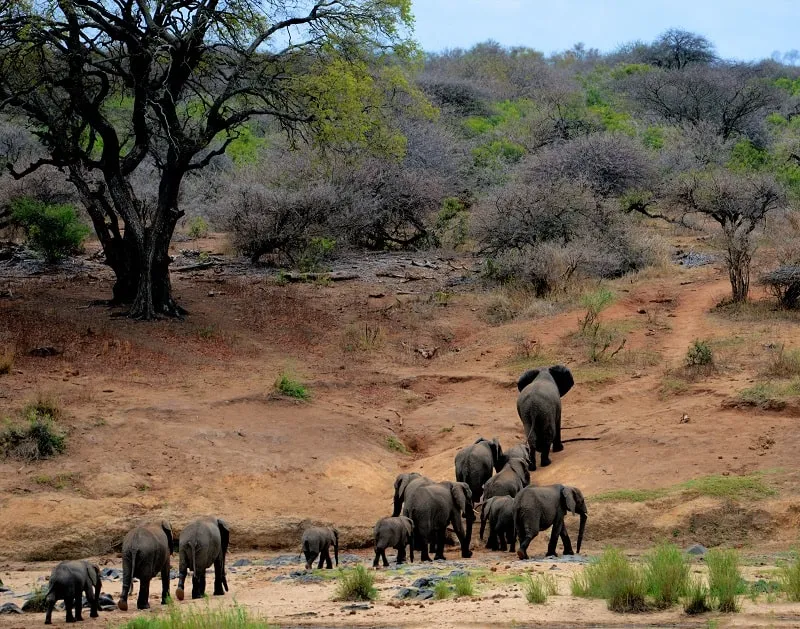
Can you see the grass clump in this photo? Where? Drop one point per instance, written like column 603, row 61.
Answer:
column 442, row 591
column 366, row 338
column 198, row 227
column 790, row 580
column 37, row 601
column 287, row 385
column 463, row 585
column 666, row 574
column 630, row 495
column 700, row 354
column 36, row 436
column 724, row 578
column 356, row 585
column 695, row 600
column 612, row 577
column 538, row 588
column 395, row 445
column 51, row 229
column 750, row 486
column 235, row 617
column 784, row 364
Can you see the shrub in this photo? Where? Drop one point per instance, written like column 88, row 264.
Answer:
column 37, row 601
column 452, row 223
column 724, row 578
column 395, row 445
column 198, row 227
column 785, row 364
column 666, row 574
column 356, row 585
column 538, row 588
column 287, row 385
column 696, row 599
column 37, row 436
column 317, row 251
column 235, row 617
column 463, row 585
column 790, row 579
column 699, row 354
column 442, row 590
column 53, row 230
column 594, row 302
column 612, row 577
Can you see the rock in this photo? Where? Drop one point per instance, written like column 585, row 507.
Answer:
column 10, row 608
column 110, row 574
column 4, row 589
column 173, row 574
column 242, row 562
column 406, row 593
column 697, row 549
column 347, row 558
column 424, row 595
column 458, row 573
column 353, row 607
column 43, row 352
column 282, row 560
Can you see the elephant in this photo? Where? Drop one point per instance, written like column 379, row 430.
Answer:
column 432, row 508
column 395, row 533
column 146, row 552
column 509, row 482
column 539, row 408
column 499, row 512
column 68, row 582
column 318, row 540
column 404, row 486
column 538, row 508
column 475, row 462
column 520, row 451
column 203, row 543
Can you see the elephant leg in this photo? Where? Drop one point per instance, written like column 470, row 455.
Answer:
column 531, row 446
column 321, row 560
column 218, row 572
column 69, row 603
column 440, row 536
column 423, row 546
column 182, row 570
column 310, row 556
column 93, row 607
column 377, row 557
column 79, row 606
column 502, row 543
column 401, row 554
column 566, row 541
column 51, row 603
column 524, row 542
column 328, row 562
column 165, row 584
column 143, row 601
column 551, row 546
column 512, row 535
column 491, row 543
column 546, row 453
column 557, row 445
column 198, row 583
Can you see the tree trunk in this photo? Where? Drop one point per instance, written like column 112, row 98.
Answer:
column 739, row 272
column 153, row 295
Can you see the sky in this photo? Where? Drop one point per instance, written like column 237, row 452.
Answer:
column 745, row 30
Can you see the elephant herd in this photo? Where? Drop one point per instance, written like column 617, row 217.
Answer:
column 496, row 482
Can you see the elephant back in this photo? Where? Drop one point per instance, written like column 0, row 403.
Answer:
column 429, row 507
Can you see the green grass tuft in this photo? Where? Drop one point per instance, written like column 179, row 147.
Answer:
column 395, row 445
column 790, row 579
column 724, row 578
column 442, row 590
column 356, row 585
column 37, row 602
column 696, row 599
column 290, row 387
column 538, row 588
column 612, row 577
column 37, row 436
column 630, row 495
column 236, row 617
column 666, row 573
column 750, row 486
column 463, row 585
column 699, row 354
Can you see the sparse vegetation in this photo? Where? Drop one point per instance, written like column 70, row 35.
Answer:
column 236, row 617
column 785, row 363
column 747, row 486
column 463, row 585
column 395, row 445
column 612, row 577
column 198, row 227
column 6, row 362
column 790, row 579
column 630, row 495
column 36, row 434
column 53, row 230
column 724, row 579
column 538, row 588
column 56, row 481
column 289, row 386
column 356, row 585
column 442, row 590
column 699, row 354
column 37, row 601
column 666, row 574
column 695, row 600
column 366, row 337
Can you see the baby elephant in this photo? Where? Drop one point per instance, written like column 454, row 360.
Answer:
column 68, row 582
column 317, row 541
column 499, row 512
column 396, row 533
column 202, row 544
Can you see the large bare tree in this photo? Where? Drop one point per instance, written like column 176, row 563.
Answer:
column 114, row 86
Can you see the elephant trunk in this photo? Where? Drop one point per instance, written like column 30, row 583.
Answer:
column 398, row 504
column 580, row 532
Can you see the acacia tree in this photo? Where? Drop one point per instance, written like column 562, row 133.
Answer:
column 112, row 86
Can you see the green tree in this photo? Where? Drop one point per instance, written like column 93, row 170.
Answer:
column 112, row 87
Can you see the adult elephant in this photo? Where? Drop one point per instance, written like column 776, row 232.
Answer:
column 146, row 551
column 539, row 408
column 432, row 507
column 69, row 581
column 538, row 508
column 510, row 481
column 404, row 486
column 476, row 463
column 203, row 543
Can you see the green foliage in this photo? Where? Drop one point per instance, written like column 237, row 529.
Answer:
column 236, row 617
column 612, row 120
column 699, row 354
column 653, row 137
column 317, row 251
column 630, row 495
column 37, row 436
column 790, row 85
column 246, row 146
column 724, row 578
column 356, row 585
column 790, row 579
column 395, row 445
column 666, row 573
column 463, row 585
column 497, row 152
column 745, row 156
column 287, row 385
column 452, row 223
column 506, row 113
column 750, row 486
column 538, row 588
column 595, row 302
column 442, row 590
column 612, row 577
column 53, row 230
column 198, row 227
column 37, row 601
column 696, row 599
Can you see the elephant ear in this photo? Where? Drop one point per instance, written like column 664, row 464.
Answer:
column 570, row 495
column 459, row 496
column 224, row 533
column 479, row 440
column 526, row 378
column 497, row 449
column 563, row 378
column 165, row 526
column 409, row 524
column 94, row 573
column 401, row 483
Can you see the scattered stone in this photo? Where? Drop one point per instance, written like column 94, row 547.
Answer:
column 641, row 311
column 43, row 352
column 354, row 607
column 424, row 595
column 10, row 608
column 173, row 574
column 301, row 576
column 697, row 550
column 242, row 562
column 110, row 574
column 282, row 560
column 4, row 589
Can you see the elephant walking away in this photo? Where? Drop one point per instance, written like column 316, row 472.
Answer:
column 146, row 552
column 476, row 463
column 509, row 482
column 539, row 408
column 538, row 508
column 318, row 540
column 499, row 513
column 404, row 486
column 69, row 581
column 203, row 543
column 394, row 533
column 432, row 508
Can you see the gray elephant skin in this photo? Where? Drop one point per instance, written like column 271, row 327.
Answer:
column 404, row 486
column 509, row 482
column 539, row 408
column 519, row 451
column 476, row 463
column 499, row 513
column 394, row 533
column 432, row 508
column 69, row 581
column 318, row 540
column 146, row 552
column 538, row 508
column 203, row 543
